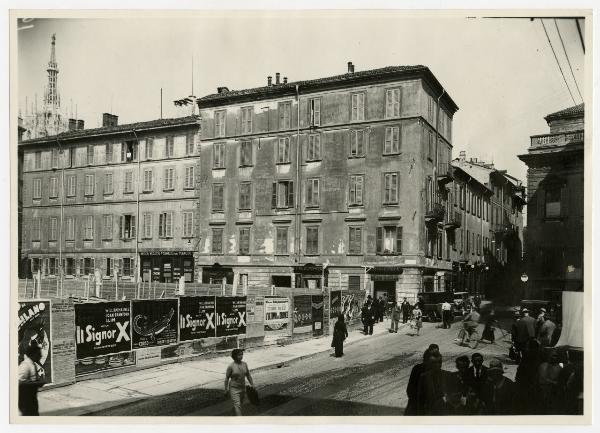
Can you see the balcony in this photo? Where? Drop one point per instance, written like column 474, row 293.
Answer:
column 444, row 173
column 560, row 139
column 454, row 221
column 502, row 231
column 435, row 213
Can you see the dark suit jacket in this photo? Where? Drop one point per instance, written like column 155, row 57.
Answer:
column 433, row 386
column 525, row 329
column 478, row 383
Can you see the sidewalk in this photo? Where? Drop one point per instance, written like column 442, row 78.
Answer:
column 89, row 396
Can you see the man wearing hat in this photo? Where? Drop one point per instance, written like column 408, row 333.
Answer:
column 524, row 329
column 541, row 318
column 499, row 391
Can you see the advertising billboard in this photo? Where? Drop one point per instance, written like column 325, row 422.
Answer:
column 154, row 322
column 230, row 315
column 196, row 317
column 34, row 325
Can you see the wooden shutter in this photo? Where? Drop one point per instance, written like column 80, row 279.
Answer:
column 290, row 202
column 379, row 240
column 161, row 231
column 189, row 144
column 389, row 103
column 132, row 227
column 122, row 226
column 274, row 196
column 399, row 240
column 317, row 112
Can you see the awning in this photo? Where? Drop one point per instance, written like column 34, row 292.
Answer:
column 572, row 320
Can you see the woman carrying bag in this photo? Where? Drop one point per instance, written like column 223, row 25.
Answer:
column 340, row 333
column 235, row 380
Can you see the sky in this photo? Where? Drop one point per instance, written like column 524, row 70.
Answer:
column 501, row 72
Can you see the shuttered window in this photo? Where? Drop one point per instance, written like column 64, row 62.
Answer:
column 90, row 154
column 165, row 225
column 72, row 186
column 244, row 241
column 190, row 144
column 392, row 140
column 389, row 240
column 53, row 193
column 312, row 192
column 392, row 103
column 219, row 155
column 247, row 120
column 220, row 123
column 37, row 189
column 149, row 147
column 285, row 115
column 169, row 147
column 217, row 241
column 355, row 240
column 245, row 195
column 36, row 229
column 128, row 182
column 282, row 240
column 246, row 153
column 313, row 151
column 283, row 150
column 283, row 194
column 312, row 240
column 390, row 188
column 356, row 190
column 148, row 180
column 90, row 182
column 314, row 114
column 357, row 142
column 108, row 153
column 217, row 196
column 188, row 224
column 107, row 227
column 69, row 229
column 147, row 225
column 89, row 227
column 53, row 235
column 189, row 177
column 108, row 183
column 358, row 106
column 169, row 179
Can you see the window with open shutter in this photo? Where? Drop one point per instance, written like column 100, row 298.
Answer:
column 398, row 240
column 161, row 225
column 290, row 199
column 379, row 240
column 274, row 196
column 190, row 144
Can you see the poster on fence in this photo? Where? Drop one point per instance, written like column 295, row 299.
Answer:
column 302, row 314
column 335, row 304
column 231, row 315
column 317, row 314
column 277, row 316
column 104, row 363
column 102, row 328
column 351, row 305
column 34, row 328
column 154, row 322
column 196, row 317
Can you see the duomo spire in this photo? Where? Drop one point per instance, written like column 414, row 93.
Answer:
column 52, row 99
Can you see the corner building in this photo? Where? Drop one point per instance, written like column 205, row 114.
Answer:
column 324, row 182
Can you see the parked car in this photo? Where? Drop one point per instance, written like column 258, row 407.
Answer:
column 553, row 310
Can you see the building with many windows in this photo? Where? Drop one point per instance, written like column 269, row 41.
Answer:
column 326, row 182
column 555, row 209
column 116, row 202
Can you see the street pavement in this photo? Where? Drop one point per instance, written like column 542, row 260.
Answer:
column 298, row 379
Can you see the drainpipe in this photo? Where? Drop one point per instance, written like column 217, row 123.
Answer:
column 62, row 200
column 137, row 217
column 298, row 179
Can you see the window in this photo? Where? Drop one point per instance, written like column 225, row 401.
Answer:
column 128, row 266
column 35, row 265
column 282, row 240
column 109, row 267
column 357, row 142
column 312, row 192
column 53, row 235
column 169, row 147
column 357, row 183
column 149, row 147
column 53, row 187
column 148, row 178
column 285, row 115
column 245, row 195
column 165, row 225
column 52, row 266
column 220, row 123
column 354, row 282
column 392, row 103
column 128, row 182
column 355, row 240
column 392, row 140
column 430, row 109
column 72, row 186
column 283, row 194
column 189, row 178
column 283, row 151
column 108, row 152
column 108, row 183
column 314, row 112
column 88, row 266
column 219, row 155
column 244, row 241
column 70, row 266
column 468, row 242
column 440, row 244
column 169, row 179
column 54, row 158
column 127, row 226
column 389, row 240
column 37, row 162
column 479, row 207
column 36, row 229
column 314, row 148
column 190, row 144
column 147, row 225
column 129, row 151
column 312, row 240
column 37, row 189
column 217, row 241
column 246, row 153
column 90, row 181
column 390, row 188
column 107, row 227
column 247, row 120
column 72, row 151
column 89, row 227
column 90, row 154
column 552, row 207
column 188, row 224
column 69, row 229
column 478, row 244
column 217, row 197
column 358, row 106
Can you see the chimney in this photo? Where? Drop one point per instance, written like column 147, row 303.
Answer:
column 80, row 124
column 109, row 120
column 350, row 68
column 462, row 155
column 284, row 80
column 269, row 81
column 72, row 125
column 222, row 90
column 276, row 77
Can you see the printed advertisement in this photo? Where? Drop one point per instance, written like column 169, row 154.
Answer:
column 34, row 326
column 196, row 317
column 231, row 316
column 302, row 314
column 154, row 322
column 351, row 305
column 102, row 328
column 317, row 315
column 103, row 363
column 335, row 304
column 277, row 315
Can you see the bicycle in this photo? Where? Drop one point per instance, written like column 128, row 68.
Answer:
column 472, row 339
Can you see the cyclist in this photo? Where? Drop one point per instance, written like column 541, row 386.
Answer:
column 471, row 321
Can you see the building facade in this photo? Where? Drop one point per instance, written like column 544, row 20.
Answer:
column 325, row 182
column 555, row 209
column 112, row 202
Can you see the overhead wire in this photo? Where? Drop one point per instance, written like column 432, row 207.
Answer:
column 557, row 62
column 568, row 61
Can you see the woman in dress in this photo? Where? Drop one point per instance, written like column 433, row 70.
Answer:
column 235, row 380
column 418, row 316
column 340, row 333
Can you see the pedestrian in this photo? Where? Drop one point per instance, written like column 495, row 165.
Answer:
column 525, row 330
column 446, row 315
column 498, row 391
column 462, row 380
column 433, row 388
column 540, row 321
column 364, row 312
column 369, row 318
column 31, row 378
column 546, row 332
column 548, row 376
column 406, row 309
column 418, row 317
column 340, row 333
column 396, row 310
column 526, row 379
column 380, row 309
column 478, row 373
column 413, row 381
column 235, row 380
column 489, row 328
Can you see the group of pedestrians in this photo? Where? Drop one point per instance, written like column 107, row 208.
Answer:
column 526, row 328
column 372, row 312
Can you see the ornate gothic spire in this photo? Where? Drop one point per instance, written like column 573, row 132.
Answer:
column 52, row 100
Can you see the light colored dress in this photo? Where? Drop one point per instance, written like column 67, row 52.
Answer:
column 237, row 384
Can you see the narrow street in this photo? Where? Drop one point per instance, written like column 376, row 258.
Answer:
column 369, row 380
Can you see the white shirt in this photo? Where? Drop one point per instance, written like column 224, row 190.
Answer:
column 446, row 306
column 29, row 371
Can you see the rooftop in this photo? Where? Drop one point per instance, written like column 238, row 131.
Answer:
column 575, row 111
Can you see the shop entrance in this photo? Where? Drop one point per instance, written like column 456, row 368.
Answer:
column 167, row 268
column 385, row 290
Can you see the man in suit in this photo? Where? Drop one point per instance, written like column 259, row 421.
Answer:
column 525, row 330
column 413, row 382
column 433, row 388
column 369, row 317
column 406, row 309
column 499, row 392
column 477, row 372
